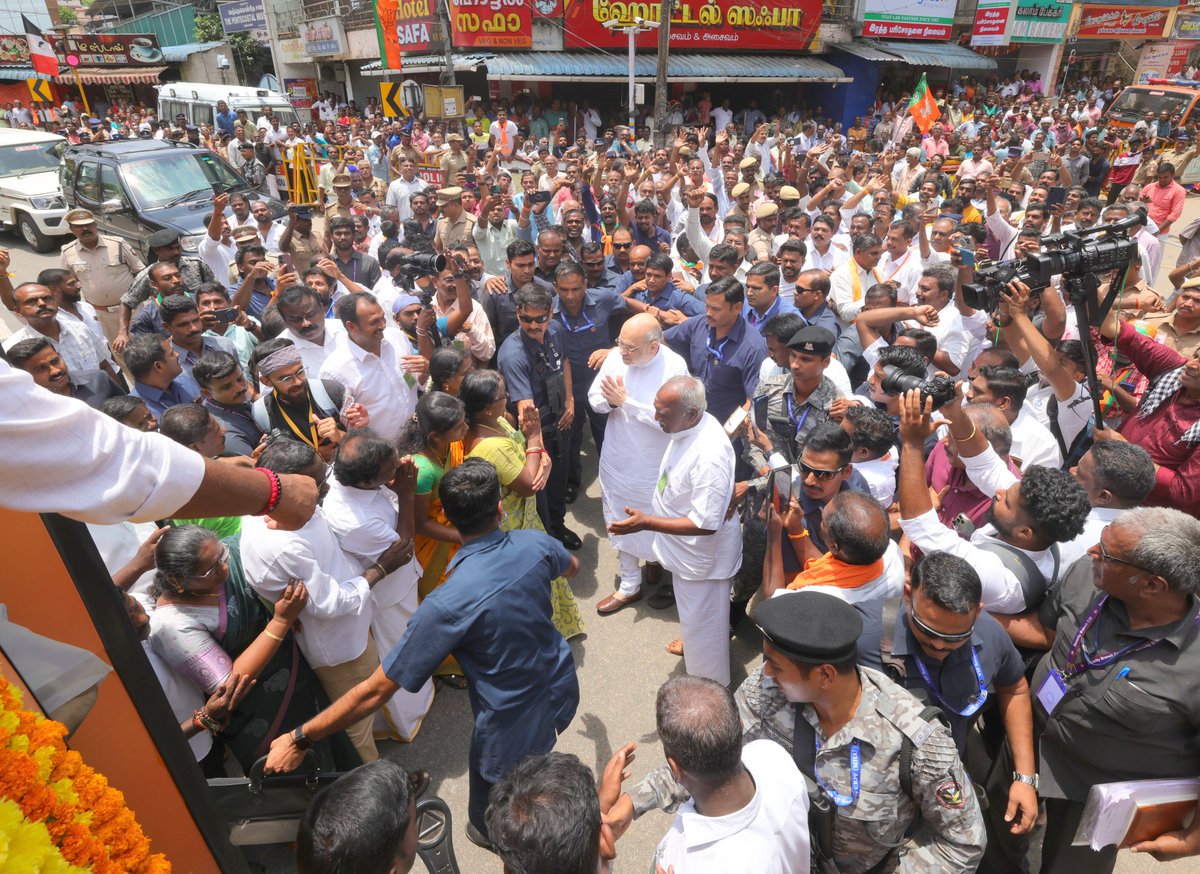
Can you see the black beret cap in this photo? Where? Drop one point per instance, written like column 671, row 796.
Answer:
column 813, row 339
column 811, row 627
column 163, row 238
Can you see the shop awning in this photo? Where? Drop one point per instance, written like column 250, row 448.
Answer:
column 590, row 66
column 463, row 62
column 941, row 54
column 864, row 49
column 20, row 74
column 126, row 75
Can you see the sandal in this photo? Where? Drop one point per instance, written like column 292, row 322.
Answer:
column 418, row 782
column 675, row 647
column 454, row 681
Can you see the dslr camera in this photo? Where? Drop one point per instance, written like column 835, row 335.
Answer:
column 896, row 382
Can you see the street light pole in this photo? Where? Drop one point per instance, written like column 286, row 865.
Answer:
column 631, row 29
column 667, row 7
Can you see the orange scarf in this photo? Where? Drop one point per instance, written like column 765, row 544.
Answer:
column 830, row 571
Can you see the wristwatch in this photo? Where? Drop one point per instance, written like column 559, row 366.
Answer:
column 1017, row 778
column 300, row 739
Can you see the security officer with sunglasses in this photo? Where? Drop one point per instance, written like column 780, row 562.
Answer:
column 537, row 372
column 893, row 785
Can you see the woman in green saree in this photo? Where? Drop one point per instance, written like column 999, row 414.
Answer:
column 207, row 624
column 522, row 466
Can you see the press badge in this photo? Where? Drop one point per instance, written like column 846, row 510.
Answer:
column 1052, row 690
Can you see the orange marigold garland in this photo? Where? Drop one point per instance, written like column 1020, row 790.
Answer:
column 56, row 810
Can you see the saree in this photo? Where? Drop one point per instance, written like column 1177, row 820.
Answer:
column 435, row 555
column 507, row 455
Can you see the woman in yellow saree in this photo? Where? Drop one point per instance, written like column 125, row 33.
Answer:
column 434, row 440
column 522, row 466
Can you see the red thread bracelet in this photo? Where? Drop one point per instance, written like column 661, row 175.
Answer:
column 276, row 490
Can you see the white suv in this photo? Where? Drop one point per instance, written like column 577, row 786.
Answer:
column 30, row 199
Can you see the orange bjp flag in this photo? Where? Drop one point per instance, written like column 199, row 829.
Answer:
column 922, row 107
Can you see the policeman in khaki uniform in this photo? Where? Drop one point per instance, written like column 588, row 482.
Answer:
column 455, row 225
column 857, row 720
column 104, row 266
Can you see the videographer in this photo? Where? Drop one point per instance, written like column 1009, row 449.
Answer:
column 1016, row 554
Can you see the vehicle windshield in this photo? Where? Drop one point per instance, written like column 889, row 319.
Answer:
column 28, row 158
column 159, row 180
column 1137, row 102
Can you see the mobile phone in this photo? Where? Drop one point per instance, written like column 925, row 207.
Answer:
column 494, row 190
column 540, row 197
column 1058, row 194
column 469, row 177
column 218, row 188
column 735, row 421
column 226, row 315
column 967, row 255
column 781, row 486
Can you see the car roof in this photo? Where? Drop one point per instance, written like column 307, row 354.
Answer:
column 16, row 137
column 119, row 148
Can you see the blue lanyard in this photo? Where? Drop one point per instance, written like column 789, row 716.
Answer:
column 791, row 411
column 855, row 776
column 975, row 702
column 566, row 324
column 716, row 353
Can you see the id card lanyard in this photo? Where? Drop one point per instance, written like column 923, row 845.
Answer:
column 975, row 702
column 1087, row 661
column 855, row 776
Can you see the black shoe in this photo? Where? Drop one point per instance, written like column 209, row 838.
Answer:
column 572, row 492
column 568, row 538
column 476, row 837
column 663, row 598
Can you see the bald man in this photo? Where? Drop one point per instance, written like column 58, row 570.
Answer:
column 625, row 388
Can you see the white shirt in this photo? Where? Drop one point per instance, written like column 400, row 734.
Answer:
column 115, row 474
column 841, row 290
column 695, row 479
column 1002, row 591
column 1097, row 519
column 829, row 262
column 952, row 337
column 80, row 349
column 338, row 614
column 1033, row 443
column 311, row 354
column 767, row 836
column 905, row 270
column 378, row 382
column 880, row 474
column 89, row 318
column 400, row 191
column 217, row 255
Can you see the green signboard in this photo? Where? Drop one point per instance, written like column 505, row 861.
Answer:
column 1040, row 21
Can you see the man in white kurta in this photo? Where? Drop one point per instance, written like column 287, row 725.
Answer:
column 632, row 375
column 363, row 510
column 849, row 283
column 696, row 538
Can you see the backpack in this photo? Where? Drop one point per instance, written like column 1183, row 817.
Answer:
column 321, row 401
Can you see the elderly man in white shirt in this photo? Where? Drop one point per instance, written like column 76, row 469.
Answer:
column 624, row 388
column 695, row 539
column 753, row 797
column 336, row 640
column 313, row 335
column 935, row 288
column 849, row 283
column 370, row 507
column 380, row 372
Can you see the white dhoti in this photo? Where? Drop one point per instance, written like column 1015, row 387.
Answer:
column 395, row 599
column 704, row 626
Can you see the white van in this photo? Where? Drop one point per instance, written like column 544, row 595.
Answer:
column 30, row 199
column 198, row 101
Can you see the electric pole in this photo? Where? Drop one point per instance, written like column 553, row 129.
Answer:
column 666, row 7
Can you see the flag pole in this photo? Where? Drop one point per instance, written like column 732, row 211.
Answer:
column 82, row 96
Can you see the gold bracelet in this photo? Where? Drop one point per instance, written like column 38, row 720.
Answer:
column 958, row 439
column 382, row 569
column 272, row 635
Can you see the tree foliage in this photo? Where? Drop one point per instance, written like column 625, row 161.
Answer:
column 248, row 55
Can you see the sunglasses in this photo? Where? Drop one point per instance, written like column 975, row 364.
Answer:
column 937, row 635
column 622, row 245
column 533, row 320
column 820, row 474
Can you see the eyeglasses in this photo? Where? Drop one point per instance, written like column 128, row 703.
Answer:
column 937, row 635
column 627, row 349
column 533, row 320
column 504, row 397
column 622, row 245
column 290, row 378
column 820, row 473
column 1106, row 556
column 223, row 558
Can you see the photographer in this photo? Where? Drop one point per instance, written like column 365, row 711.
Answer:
column 1016, row 555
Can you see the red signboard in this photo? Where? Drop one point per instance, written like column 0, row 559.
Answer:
column 1119, row 22
column 992, row 23
column 725, row 25
column 494, row 24
column 403, row 26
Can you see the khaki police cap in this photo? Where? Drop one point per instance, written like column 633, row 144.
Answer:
column 747, row 163
column 454, row 138
column 765, row 210
column 245, row 232
column 80, row 217
column 341, row 180
column 740, row 189
column 448, row 195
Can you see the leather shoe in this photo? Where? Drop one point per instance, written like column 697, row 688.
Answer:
column 476, row 837
column 572, row 492
column 615, row 602
column 663, row 598
column 568, row 538
column 652, row 573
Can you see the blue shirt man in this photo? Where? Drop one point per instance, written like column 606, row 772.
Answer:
column 226, row 121
column 778, row 307
column 721, row 349
column 671, row 298
column 533, row 370
column 181, row 390
column 586, row 331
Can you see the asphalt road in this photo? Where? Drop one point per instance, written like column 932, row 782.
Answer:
column 621, row 662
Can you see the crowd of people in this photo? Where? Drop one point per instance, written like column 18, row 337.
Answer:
column 978, row 585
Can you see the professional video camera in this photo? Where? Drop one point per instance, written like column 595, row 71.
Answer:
column 413, row 267
column 1075, row 253
column 896, row 382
